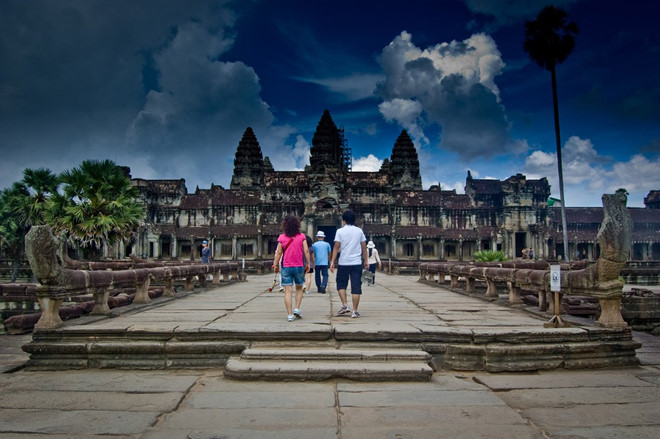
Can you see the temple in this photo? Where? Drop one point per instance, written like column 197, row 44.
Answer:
column 405, row 221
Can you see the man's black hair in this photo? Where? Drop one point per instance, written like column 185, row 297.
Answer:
column 348, row 217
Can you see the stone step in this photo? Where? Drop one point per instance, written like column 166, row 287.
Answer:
column 315, row 364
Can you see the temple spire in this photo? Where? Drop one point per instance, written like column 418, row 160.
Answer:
column 404, row 164
column 328, row 146
column 248, row 163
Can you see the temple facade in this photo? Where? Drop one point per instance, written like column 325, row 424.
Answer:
column 405, row 221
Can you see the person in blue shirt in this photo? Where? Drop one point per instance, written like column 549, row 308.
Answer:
column 322, row 253
column 206, row 252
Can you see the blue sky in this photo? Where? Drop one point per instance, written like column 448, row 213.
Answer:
column 168, row 88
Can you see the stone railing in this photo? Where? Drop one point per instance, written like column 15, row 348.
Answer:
column 599, row 280
column 57, row 283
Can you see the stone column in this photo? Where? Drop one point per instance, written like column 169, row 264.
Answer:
column 260, row 243
column 460, row 247
column 192, row 248
column 234, row 249
column 393, row 244
column 173, row 246
column 442, row 248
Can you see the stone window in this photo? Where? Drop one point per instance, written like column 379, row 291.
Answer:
column 247, row 250
column 225, row 249
column 450, row 251
column 409, row 249
column 428, row 250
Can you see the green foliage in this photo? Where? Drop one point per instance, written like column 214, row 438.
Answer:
column 23, row 205
column 97, row 205
column 489, row 256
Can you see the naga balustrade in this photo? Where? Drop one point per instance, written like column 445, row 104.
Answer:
column 599, row 279
column 57, row 283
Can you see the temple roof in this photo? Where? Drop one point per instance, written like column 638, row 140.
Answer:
column 172, row 187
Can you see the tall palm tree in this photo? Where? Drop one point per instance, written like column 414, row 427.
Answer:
column 98, row 206
column 548, row 41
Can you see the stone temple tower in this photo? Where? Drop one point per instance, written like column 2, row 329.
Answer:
column 248, row 163
column 328, row 147
column 404, row 164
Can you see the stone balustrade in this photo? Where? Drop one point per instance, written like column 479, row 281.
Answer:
column 599, row 279
column 57, row 283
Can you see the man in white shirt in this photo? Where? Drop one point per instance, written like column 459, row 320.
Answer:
column 351, row 246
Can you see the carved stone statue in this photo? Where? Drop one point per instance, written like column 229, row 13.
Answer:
column 601, row 280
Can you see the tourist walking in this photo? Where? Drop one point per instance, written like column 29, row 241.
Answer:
column 322, row 253
column 350, row 245
column 308, row 274
column 373, row 260
column 206, row 252
column 291, row 249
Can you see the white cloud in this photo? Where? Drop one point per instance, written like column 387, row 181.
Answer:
column 587, row 175
column 451, row 85
column 370, row 163
column 406, row 112
column 458, row 186
column 301, row 152
column 353, row 87
column 639, row 174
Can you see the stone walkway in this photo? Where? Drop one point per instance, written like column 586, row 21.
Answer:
column 103, row 403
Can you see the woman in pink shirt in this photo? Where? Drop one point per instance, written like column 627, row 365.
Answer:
column 291, row 248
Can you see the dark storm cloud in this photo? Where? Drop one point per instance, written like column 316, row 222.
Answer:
column 475, row 130
column 138, row 82
column 450, row 85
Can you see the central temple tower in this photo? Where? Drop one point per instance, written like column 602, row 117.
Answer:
column 329, row 147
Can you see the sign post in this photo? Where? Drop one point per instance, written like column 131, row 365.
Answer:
column 555, row 286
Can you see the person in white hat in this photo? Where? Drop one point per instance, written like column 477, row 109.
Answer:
column 373, row 260
column 322, row 253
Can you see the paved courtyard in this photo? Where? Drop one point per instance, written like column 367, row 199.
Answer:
column 110, row 403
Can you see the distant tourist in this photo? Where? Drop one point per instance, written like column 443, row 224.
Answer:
column 206, row 252
column 322, row 254
column 373, row 260
column 291, row 248
column 308, row 274
column 350, row 245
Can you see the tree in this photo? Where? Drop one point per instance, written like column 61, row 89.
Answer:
column 97, row 206
column 548, row 41
column 28, row 198
column 22, row 206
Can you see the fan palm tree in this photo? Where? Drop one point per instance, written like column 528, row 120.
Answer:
column 548, row 41
column 28, row 197
column 22, row 206
column 98, row 206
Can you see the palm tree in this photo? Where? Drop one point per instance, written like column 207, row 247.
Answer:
column 29, row 196
column 548, row 41
column 98, row 206
column 22, row 206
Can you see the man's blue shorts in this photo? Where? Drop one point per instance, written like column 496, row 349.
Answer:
column 293, row 274
column 354, row 272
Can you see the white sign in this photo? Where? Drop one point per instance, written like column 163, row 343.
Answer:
column 555, row 278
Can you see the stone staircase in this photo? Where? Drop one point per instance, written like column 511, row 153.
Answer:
column 295, row 363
